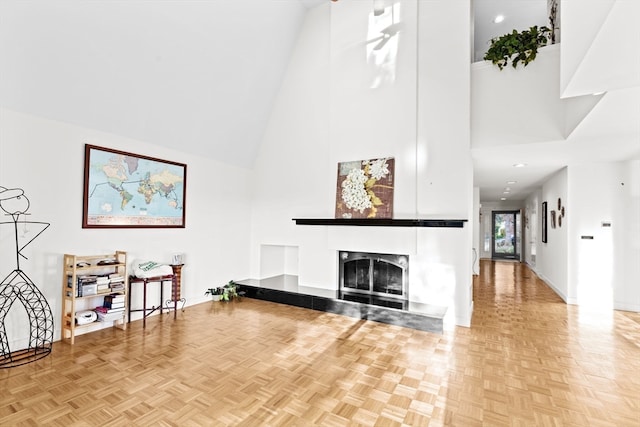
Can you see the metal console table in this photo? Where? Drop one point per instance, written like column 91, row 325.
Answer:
column 159, row 280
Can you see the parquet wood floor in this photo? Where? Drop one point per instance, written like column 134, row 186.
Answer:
column 528, row 360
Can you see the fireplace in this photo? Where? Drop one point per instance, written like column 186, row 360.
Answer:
column 374, row 278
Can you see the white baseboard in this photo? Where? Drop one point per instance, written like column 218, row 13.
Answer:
column 554, row 288
column 624, row 306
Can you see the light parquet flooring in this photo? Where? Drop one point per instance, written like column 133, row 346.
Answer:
column 527, row 360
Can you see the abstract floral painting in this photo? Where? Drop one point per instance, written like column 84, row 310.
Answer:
column 365, row 189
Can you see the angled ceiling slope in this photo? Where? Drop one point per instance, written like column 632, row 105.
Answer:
column 601, row 46
column 198, row 75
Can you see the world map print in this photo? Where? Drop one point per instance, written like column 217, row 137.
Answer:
column 124, row 189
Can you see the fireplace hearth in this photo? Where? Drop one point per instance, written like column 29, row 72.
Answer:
column 285, row 289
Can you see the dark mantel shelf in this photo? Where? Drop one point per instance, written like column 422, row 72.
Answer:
column 383, row 222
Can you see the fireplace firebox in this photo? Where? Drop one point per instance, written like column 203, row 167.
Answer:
column 365, row 276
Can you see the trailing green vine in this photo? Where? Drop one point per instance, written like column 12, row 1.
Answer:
column 517, row 46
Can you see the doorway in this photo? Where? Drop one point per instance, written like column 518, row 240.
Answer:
column 506, row 237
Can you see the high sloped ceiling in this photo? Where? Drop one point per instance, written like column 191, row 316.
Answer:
column 602, row 46
column 197, row 75
column 201, row 75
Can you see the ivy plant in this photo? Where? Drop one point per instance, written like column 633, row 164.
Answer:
column 517, row 46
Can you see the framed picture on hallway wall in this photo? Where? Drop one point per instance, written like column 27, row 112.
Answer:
column 126, row 190
column 544, row 222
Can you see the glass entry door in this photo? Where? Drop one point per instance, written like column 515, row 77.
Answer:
column 506, row 234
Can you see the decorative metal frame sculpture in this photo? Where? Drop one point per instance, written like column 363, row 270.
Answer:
column 18, row 286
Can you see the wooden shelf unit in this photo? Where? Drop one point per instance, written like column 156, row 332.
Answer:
column 75, row 266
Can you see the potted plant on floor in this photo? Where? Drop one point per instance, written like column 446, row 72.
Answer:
column 224, row 293
column 216, row 293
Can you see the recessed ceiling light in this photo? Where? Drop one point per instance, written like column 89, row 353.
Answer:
column 498, row 19
column 505, row 192
column 511, row 182
column 507, row 188
column 503, row 198
column 519, row 165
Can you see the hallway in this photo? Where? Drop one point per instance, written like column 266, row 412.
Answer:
column 543, row 362
column 528, row 360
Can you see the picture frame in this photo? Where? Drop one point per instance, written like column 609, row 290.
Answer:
column 127, row 190
column 544, row 222
column 364, row 189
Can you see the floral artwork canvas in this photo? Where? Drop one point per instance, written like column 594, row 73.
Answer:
column 365, row 189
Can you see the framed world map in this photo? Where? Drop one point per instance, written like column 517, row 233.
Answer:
column 126, row 190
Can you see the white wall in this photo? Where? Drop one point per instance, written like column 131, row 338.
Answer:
column 626, row 292
column 584, row 261
column 532, row 228
column 46, row 159
column 289, row 174
column 551, row 264
column 500, row 120
column 603, row 271
column 476, row 231
column 444, row 165
column 338, row 104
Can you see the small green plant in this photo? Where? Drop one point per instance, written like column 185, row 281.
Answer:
column 226, row 292
column 517, row 46
column 215, row 291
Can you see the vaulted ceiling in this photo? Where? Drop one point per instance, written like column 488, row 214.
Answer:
column 202, row 76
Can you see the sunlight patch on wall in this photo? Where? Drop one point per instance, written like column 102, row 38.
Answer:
column 595, row 272
column 382, row 44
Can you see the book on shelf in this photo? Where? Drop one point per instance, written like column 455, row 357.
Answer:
column 114, row 298
column 87, row 278
column 103, row 288
column 114, row 305
column 117, row 287
column 114, row 301
column 102, row 280
column 106, row 310
column 116, row 277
